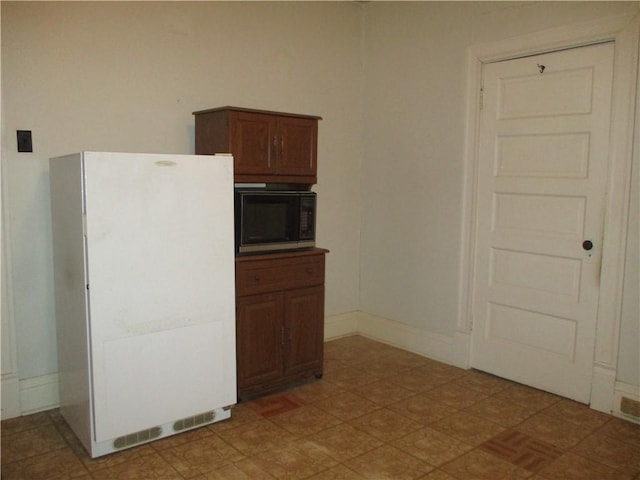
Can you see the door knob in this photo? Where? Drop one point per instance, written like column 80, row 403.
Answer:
column 587, row 245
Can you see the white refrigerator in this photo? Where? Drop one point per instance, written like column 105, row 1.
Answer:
column 144, row 288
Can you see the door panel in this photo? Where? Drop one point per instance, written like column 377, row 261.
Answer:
column 304, row 324
column 544, row 139
column 251, row 136
column 260, row 337
column 298, row 144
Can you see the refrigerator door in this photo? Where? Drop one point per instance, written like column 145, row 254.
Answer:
column 160, row 259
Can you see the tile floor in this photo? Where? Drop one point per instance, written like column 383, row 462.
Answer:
column 378, row 413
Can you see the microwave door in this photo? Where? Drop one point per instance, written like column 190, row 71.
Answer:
column 267, row 222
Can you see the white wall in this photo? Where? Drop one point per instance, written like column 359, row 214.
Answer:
column 127, row 76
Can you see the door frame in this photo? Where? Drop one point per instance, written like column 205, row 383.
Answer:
column 624, row 31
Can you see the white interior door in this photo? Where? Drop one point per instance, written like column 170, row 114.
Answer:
column 544, row 141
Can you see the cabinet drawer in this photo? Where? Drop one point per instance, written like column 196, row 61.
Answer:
column 270, row 275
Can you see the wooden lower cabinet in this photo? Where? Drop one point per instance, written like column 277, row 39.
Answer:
column 279, row 319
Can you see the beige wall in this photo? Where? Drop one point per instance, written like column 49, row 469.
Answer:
column 120, row 76
column 126, row 77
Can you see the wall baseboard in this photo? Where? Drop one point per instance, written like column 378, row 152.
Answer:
column 341, row 325
column 10, row 396
column 626, row 402
column 30, row 395
column 602, row 387
column 428, row 344
column 39, row 393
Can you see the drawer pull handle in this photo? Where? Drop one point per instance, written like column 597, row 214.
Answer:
column 256, row 278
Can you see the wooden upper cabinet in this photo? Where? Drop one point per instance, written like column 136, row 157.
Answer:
column 270, row 147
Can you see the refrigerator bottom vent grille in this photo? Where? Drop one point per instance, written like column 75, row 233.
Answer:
column 137, row 437
column 194, row 421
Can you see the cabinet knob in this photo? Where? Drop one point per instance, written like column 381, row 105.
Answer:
column 256, row 278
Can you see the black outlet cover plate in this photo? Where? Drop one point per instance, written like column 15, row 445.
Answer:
column 24, row 141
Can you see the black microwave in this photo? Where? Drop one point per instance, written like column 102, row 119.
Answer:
column 268, row 220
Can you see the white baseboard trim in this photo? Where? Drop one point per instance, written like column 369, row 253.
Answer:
column 462, row 349
column 602, row 387
column 627, row 391
column 39, row 393
column 431, row 345
column 10, row 396
column 341, row 325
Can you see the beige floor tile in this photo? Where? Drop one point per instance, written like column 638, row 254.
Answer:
column 255, row 437
column 456, row 395
column 421, row 379
column 467, row 428
column 422, row 408
column 562, row 433
column 501, row 412
column 30, row 442
column 60, row 464
column 385, row 424
column 384, row 367
column 316, row 391
column 440, row 372
column 388, row 462
column 611, row 451
column 483, row 382
column 149, row 467
column 300, row 460
column 339, row 472
column 200, row 456
column 305, row 421
column 622, row 430
column 347, row 406
column 248, row 466
column 331, row 364
column 349, row 377
column 527, row 397
column 236, row 472
column 478, row 465
column 568, row 410
column 574, row 467
column 438, row 475
column 433, row 447
column 343, row 441
column 382, row 392
column 21, row 424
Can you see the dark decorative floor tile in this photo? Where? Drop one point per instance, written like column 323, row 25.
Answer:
column 276, row 404
column 522, row 450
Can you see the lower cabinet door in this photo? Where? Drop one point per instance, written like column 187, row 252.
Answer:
column 259, row 337
column 304, row 330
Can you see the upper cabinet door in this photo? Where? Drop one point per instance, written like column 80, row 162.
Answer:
column 297, row 140
column 253, row 143
column 268, row 147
